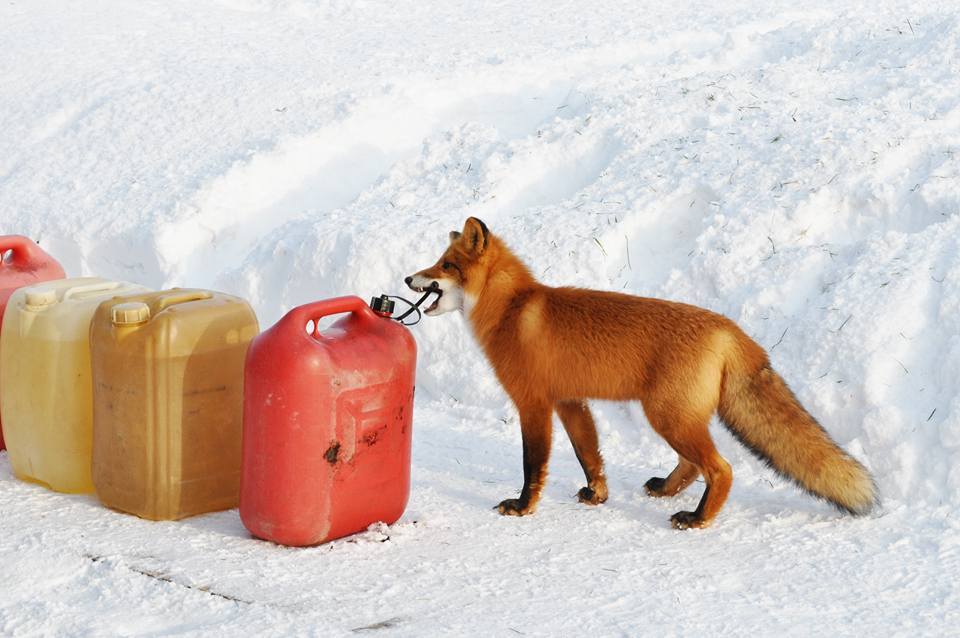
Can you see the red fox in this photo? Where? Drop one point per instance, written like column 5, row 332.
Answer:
column 554, row 348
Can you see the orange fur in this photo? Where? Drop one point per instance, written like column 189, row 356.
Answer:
column 553, row 348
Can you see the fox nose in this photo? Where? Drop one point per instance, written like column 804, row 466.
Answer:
column 408, row 280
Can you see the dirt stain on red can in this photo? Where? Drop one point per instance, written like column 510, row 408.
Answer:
column 332, row 453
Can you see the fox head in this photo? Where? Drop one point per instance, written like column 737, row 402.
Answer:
column 461, row 271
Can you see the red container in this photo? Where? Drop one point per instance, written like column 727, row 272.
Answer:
column 25, row 265
column 326, row 424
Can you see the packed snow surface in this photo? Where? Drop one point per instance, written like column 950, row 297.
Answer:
column 793, row 165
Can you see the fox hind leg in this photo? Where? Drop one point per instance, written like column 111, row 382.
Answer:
column 678, row 480
column 690, row 438
column 578, row 422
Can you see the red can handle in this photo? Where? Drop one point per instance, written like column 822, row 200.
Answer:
column 299, row 316
column 24, row 249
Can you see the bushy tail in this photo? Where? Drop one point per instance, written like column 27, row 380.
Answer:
column 761, row 411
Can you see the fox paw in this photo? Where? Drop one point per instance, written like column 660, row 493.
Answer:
column 687, row 520
column 592, row 496
column 655, row 486
column 514, row 507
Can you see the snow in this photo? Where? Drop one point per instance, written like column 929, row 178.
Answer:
column 794, row 166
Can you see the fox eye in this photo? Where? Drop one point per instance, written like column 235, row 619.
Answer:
column 449, row 265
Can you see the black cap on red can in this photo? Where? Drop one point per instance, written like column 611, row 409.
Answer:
column 382, row 305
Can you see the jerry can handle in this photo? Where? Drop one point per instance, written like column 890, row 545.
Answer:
column 101, row 286
column 299, row 316
column 24, row 249
column 177, row 296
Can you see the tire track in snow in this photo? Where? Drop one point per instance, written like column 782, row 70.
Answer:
column 310, row 176
column 330, row 169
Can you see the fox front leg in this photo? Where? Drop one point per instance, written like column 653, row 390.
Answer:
column 580, row 427
column 535, row 425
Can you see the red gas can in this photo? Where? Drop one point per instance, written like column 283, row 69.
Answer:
column 326, row 424
column 22, row 263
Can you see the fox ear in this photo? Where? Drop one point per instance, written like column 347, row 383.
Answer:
column 476, row 235
column 454, row 236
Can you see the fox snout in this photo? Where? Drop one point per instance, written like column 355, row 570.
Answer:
column 419, row 283
column 449, row 295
